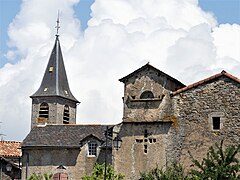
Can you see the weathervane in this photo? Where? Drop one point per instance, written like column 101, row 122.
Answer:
column 58, row 24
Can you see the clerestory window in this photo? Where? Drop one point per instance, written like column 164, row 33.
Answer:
column 44, row 110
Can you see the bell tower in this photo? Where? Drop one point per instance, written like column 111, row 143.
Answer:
column 53, row 103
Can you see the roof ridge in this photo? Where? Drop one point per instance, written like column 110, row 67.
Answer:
column 223, row 72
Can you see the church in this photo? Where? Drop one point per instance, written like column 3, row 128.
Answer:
column 162, row 120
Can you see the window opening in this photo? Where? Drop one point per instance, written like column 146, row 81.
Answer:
column 145, row 133
column 216, row 123
column 44, row 109
column 145, row 148
column 147, row 95
column 50, row 69
column 92, row 148
column 150, row 140
column 66, row 115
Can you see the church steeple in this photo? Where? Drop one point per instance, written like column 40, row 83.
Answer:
column 54, row 103
column 55, row 82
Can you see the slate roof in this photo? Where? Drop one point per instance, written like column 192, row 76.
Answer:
column 10, row 148
column 62, row 135
column 155, row 69
column 211, row 78
column 55, row 82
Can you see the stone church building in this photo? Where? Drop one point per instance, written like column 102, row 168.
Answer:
column 162, row 120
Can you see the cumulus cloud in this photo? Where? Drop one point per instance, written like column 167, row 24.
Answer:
column 176, row 36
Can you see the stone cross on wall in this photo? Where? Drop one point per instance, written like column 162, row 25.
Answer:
column 146, row 140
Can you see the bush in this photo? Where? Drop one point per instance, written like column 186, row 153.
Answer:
column 173, row 172
column 98, row 173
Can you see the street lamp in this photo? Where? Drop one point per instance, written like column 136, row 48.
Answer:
column 9, row 167
column 117, row 142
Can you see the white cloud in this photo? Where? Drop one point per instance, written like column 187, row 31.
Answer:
column 176, row 36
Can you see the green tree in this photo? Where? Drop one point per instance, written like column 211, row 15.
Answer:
column 219, row 164
column 98, row 173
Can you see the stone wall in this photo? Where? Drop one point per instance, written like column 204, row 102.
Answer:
column 76, row 161
column 138, row 109
column 143, row 147
column 56, row 109
column 194, row 110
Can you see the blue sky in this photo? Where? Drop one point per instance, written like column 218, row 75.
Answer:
column 226, row 11
column 121, row 36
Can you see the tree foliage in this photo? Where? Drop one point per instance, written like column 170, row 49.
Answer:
column 219, row 164
column 98, row 173
column 173, row 172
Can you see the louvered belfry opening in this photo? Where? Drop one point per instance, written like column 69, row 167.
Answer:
column 44, row 110
column 66, row 115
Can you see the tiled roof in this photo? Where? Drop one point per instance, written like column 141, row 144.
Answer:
column 155, row 69
column 62, row 135
column 223, row 73
column 10, row 148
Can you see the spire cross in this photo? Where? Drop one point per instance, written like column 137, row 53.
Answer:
column 58, row 24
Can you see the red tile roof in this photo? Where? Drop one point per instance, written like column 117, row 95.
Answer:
column 223, row 73
column 10, row 148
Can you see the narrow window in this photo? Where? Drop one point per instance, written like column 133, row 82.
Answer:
column 145, row 148
column 216, row 123
column 145, row 133
column 147, row 95
column 92, row 148
column 44, row 109
column 66, row 115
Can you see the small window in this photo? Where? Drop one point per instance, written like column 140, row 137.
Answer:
column 50, row 69
column 145, row 148
column 146, row 95
column 145, row 133
column 44, row 109
column 66, row 115
column 92, row 148
column 216, row 123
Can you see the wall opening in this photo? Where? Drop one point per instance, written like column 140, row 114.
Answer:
column 44, row 110
column 216, row 123
column 60, row 176
column 66, row 115
column 147, row 95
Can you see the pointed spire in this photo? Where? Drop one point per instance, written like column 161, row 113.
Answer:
column 55, row 82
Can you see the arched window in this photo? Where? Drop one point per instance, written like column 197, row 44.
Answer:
column 147, row 95
column 44, row 109
column 66, row 115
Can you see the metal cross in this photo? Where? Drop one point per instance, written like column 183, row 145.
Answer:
column 58, row 23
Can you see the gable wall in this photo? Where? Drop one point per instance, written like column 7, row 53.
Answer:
column 194, row 109
column 141, row 111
